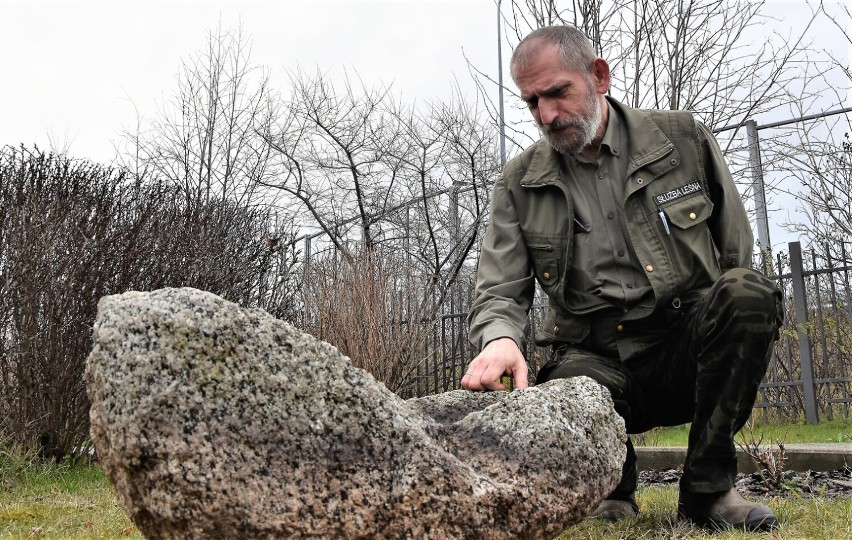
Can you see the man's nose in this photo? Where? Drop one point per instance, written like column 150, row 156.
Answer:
column 548, row 111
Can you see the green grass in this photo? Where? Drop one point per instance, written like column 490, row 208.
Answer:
column 812, row 519
column 824, row 432
column 76, row 500
column 58, row 501
column 38, row 501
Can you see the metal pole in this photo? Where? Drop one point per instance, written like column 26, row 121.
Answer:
column 800, row 299
column 738, row 125
column 307, row 257
column 500, row 88
column 759, row 194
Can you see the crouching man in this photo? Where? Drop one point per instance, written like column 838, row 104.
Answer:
column 630, row 222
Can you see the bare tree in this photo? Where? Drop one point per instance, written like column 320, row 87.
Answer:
column 206, row 138
column 334, row 148
column 370, row 171
column 716, row 58
column 207, row 142
column 811, row 160
column 824, row 171
column 449, row 150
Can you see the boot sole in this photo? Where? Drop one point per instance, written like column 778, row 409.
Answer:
column 765, row 524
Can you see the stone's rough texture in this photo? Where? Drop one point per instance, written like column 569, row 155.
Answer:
column 221, row 422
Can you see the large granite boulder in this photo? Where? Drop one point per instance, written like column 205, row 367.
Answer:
column 214, row 421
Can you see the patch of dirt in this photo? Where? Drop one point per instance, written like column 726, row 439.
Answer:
column 831, row 484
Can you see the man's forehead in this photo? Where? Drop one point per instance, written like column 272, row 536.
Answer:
column 552, row 85
column 532, row 50
column 535, row 46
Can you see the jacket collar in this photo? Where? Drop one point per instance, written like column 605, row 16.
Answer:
column 646, row 143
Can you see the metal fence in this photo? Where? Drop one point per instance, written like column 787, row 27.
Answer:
column 809, row 373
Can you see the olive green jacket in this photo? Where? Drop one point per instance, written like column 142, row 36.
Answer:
column 674, row 165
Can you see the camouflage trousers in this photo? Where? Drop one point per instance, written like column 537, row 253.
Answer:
column 704, row 367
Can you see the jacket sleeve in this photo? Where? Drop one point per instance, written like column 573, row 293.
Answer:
column 504, row 280
column 729, row 224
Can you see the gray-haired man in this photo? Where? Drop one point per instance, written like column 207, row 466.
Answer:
column 630, row 222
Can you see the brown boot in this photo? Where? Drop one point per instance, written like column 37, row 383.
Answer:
column 616, row 509
column 725, row 509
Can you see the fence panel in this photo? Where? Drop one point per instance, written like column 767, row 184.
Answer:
column 809, row 372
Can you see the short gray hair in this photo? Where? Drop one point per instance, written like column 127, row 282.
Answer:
column 574, row 48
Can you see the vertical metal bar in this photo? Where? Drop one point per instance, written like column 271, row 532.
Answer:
column 789, row 392
column 848, row 302
column 453, row 338
column 500, row 87
column 779, row 360
column 759, row 195
column 435, row 339
column 840, row 369
column 445, row 355
column 800, row 299
column 819, row 328
column 307, row 255
column 418, row 388
column 846, row 263
column 468, row 355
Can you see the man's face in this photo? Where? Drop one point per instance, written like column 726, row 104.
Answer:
column 564, row 102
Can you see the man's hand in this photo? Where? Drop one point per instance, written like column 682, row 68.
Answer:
column 499, row 357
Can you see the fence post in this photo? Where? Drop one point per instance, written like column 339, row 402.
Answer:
column 800, row 299
column 307, row 253
column 759, row 196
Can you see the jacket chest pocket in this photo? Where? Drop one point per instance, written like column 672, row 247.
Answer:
column 546, row 253
column 686, row 213
column 689, row 243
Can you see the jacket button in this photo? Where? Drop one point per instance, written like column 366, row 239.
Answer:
column 674, row 161
column 649, row 268
column 619, row 328
column 692, row 215
column 555, row 329
column 640, row 181
column 546, row 275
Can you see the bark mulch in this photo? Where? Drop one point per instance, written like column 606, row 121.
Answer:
column 836, row 483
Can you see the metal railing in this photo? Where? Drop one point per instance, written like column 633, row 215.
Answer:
column 808, row 375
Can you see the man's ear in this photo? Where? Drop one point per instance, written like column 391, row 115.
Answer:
column 600, row 75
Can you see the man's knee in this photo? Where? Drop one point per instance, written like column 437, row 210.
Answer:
column 747, row 300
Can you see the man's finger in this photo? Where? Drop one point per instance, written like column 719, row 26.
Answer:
column 471, row 381
column 520, row 375
column 491, row 378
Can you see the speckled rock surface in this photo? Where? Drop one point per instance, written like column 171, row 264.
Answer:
column 214, row 421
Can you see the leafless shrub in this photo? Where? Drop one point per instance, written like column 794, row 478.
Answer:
column 72, row 232
column 367, row 308
column 769, row 459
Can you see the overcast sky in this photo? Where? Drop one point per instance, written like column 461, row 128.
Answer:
column 70, row 69
column 75, row 72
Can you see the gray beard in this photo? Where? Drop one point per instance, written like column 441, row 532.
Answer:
column 585, row 129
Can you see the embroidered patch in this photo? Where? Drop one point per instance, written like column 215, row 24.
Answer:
column 677, row 193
